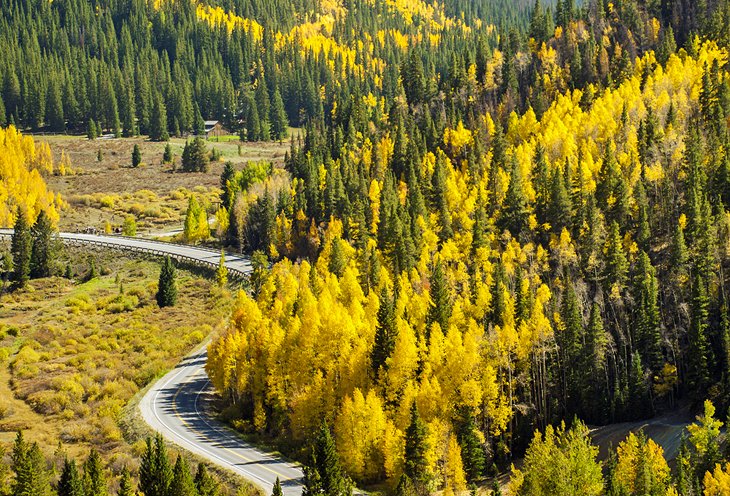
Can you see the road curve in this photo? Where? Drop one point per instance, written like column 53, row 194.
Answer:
column 174, row 406
column 237, row 265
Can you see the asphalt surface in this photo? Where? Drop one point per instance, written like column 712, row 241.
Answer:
column 175, row 405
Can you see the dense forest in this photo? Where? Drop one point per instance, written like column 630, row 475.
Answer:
column 500, row 217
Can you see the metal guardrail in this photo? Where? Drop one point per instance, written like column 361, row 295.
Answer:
column 68, row 239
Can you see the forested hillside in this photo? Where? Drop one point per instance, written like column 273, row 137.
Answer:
column 499, row 217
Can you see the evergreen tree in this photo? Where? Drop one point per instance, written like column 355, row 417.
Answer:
column 515, row 212
column 125, row 484
column 439, row 309
column 158, row 126
column 338, row 261
column 136, row 156
column 94, row 480
column 29, row 468
column 42, row 246
column 155, row 473
column 21, row 247
column 616, row 262
column 472, row 452
column 70, row 483
column 279, row 121
column 277, row 489
column 324, row 475
column 167, row 286
column 195, row 156
column 182, row 481
column 416, row 464
column 698, row 353
column 385, row 333
column 167, row 156
column 205, row 484
column 91, row 132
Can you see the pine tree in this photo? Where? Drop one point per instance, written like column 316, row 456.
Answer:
column 29, row 467
column 648, row 322
column 279, row 120
column 616, row 262
column 439, row 309
column 277, row 489
column 158, row 126
column 324, row 475
column 155, row 473
column 205, row 484
column 91, row 132
column 21, row 247
column 221, row 273
column 182, row 482
column 698, row 353
column 416, row 464
column 195, row 156
column 94, row 480
column 471, row 449
column 337, row 261
column 167, row 286
column 570, row 341
column 3, row 116
column 515, row 213
column 125, row 484
column 136, row 156
column 42, row 246
column 385, row 333
column 54, row 107
column 594, row 366
column 167, row 156
column 70, row 483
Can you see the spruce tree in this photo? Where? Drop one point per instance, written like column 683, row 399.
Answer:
column 472, row 452
column 3, row 117
column 136, row 156
column 21, row 247
column 324, row 474
column 195, row 156
column 29, row 468
column 167, row 156
column 155, row 473
column 698, row 352
column 94, row 480
column 91, row 132
column 279, row 121
column 182, row 483
column 42, row 249
column 416, row 464
column 70, row 483
column 439, row 309
column 205, row 484
column 616, row 262
column 167, row 286
column 125, row 484
column 338, row 261
column 158, row 129
column 277, row 489
column 385, row 333
column 515, row 210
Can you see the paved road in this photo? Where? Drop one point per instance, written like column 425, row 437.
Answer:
column 236, row 264
column 174, row 406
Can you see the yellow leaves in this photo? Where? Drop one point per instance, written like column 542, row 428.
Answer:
column 717, row 482
column 362, row 432
column 635, row 452
column 454, row 477
column 457, row 138
column 22, row 165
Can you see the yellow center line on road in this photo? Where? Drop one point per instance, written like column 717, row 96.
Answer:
column 204, row 436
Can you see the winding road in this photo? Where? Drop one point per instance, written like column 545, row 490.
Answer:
column 175, row 405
